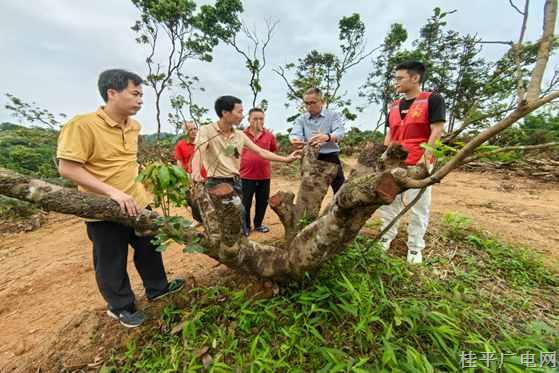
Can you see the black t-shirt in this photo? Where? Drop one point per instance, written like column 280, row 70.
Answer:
column 437, row 108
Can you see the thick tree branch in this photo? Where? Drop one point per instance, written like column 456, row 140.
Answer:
column 326, row 236
column 550, row 16
column 467, row 123
column 316, row 177
column 518, row 52
column 51, row 197
column 522, row 110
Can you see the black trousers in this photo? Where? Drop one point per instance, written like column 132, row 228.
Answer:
column 110, row 254
column 195, row 211
column 340, row 178
column 260, row 190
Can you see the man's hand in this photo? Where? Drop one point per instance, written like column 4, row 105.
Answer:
column 427, row 160
column 318, row 139
column 126, row 202
column 298, row 144
column 74, row 171
column 297, row 154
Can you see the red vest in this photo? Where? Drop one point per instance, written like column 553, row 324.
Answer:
column 414, row 130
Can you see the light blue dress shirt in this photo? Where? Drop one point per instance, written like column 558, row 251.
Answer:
column 328, row 122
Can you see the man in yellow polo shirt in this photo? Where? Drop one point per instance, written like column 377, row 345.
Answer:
column 98, row 152
column 219, row 146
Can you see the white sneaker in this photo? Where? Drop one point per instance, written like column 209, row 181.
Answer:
column 415, row 257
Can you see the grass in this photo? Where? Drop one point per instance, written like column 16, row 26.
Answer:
column 371, row 312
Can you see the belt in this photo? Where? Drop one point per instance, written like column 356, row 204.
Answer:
column 233, row 178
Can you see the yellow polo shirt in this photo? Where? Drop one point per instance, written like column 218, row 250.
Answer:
column 222, row 157
column 106, row 150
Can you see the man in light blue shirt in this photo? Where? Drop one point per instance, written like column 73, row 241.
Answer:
column 320, row 127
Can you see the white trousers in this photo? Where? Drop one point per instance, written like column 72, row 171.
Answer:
column 419, row 218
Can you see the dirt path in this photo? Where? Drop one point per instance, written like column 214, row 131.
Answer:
column 47, row 275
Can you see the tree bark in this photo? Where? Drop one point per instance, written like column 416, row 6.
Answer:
column 354, row 203
column 316, row 177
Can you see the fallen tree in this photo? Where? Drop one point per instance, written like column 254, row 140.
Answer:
column 380, row 176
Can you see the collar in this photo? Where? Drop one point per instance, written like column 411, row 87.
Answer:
column 218, row 130
column 248, row 132
column 103, row 115
column 308, row 115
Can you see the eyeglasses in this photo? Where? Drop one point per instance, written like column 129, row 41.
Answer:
column 309, row 103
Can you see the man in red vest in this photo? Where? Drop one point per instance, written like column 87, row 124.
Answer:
column 256, row 171
column 415, row 119
column 183, row 154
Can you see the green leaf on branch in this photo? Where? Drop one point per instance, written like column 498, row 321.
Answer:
column 231, row 151
column 164, row 177
column 168, row 183
column 194, row 247
column 437, row 153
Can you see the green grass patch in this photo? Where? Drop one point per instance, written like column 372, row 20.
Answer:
column 370, row 312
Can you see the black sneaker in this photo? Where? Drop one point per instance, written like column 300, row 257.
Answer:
column 173, row 286
column 127, row 318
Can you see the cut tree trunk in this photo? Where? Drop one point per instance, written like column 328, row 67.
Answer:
column 325, row 237
column 316, row 177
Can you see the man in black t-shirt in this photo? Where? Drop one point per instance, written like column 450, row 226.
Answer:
column 415, row 119
column 436, row 108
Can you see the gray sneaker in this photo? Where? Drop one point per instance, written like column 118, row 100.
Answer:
column 128, row 319
column 172, row 287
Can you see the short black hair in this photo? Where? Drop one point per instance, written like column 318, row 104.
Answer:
column 116, row 79
column 255, row 110
column 313, row 91
column 226, row 103
column 413, row 68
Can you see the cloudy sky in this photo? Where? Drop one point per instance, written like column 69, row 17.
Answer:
column 53, row 50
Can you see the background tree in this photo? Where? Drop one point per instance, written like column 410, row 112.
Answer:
column 32, row 114
column 326, row 70
column 478, row 92
column 378, row 87
column 184, row 107
column 254, row 55
column 30, row 151
column 184, row 33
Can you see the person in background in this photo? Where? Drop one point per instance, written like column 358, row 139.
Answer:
column 415, row 119
column 320, row 127
column 219, row 146
column 256, row 171
column 184, row 151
